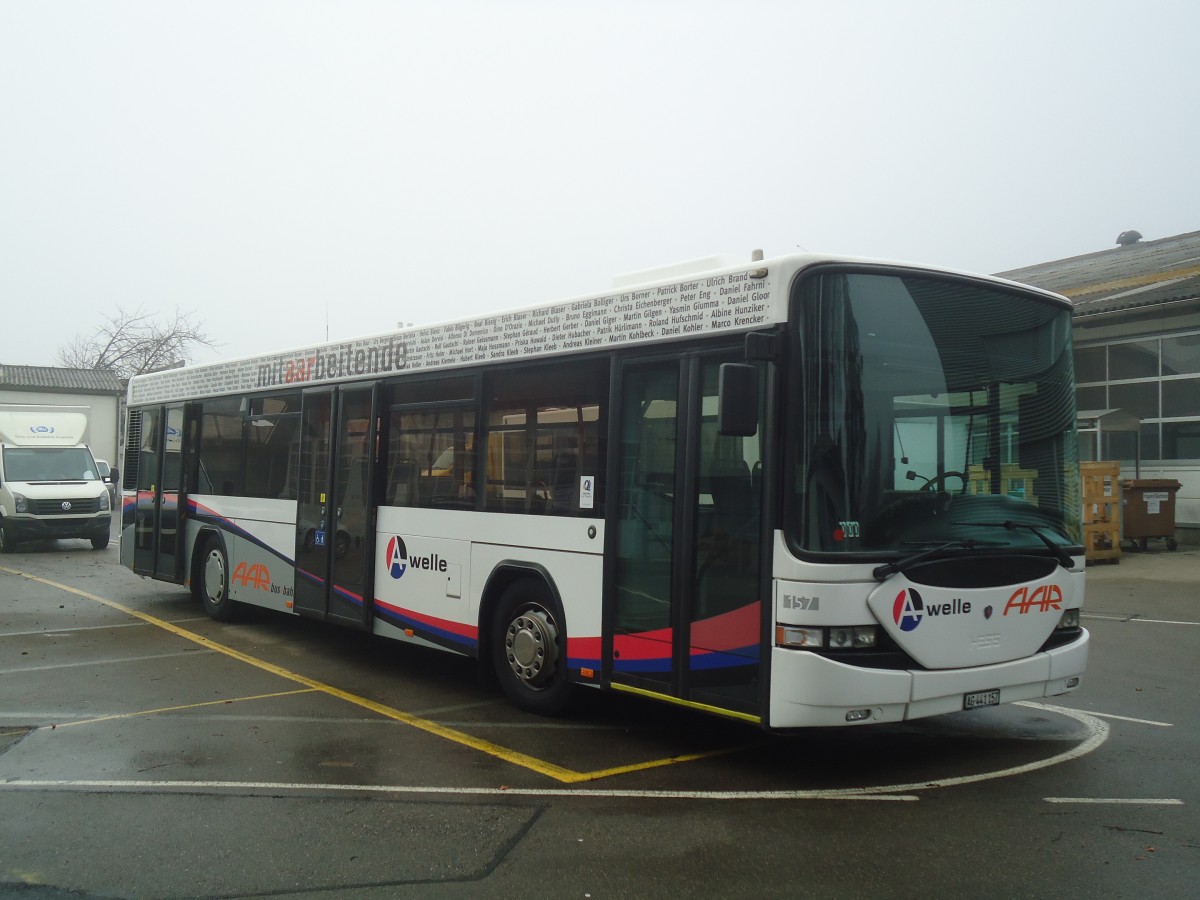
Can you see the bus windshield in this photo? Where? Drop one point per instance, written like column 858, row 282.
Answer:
column 931, row 410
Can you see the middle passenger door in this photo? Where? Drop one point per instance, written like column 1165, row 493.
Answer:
column 685, row 604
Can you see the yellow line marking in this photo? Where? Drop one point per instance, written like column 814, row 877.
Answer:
column 542, row 767
column 657, row 763
column 167, row 709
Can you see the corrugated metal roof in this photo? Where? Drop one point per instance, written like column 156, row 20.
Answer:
column 1145, row 274
column 51, row 378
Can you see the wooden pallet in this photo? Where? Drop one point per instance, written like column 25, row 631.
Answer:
column 1101, row 482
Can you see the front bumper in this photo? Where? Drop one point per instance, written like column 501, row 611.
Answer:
column 810, row 690
column 31, row 528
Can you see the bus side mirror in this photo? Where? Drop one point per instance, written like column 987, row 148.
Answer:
column 737, row 400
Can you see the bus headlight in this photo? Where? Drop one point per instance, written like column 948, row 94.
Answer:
column 844, row 637
column 858, row 637
column 795, row 636
column 20, row 504
column 1070, row 618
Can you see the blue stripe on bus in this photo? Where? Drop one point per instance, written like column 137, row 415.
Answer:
column 424, row 629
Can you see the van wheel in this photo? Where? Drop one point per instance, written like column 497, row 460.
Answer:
column 99, row 543
column 529, row 648
column 211, row 581
column 5, row 547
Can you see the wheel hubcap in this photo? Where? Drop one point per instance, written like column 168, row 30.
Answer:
column 531, row 645
column 214, row 577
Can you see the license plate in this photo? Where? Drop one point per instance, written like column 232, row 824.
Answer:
column 981, row 698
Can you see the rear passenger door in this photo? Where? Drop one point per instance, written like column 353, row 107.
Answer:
column 157, row 433
column 335, row 521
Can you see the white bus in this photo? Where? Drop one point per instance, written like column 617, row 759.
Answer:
column 800, row 491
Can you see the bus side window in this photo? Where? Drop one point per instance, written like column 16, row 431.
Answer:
column 431, row 458
column 545, row 439
column 221, row 444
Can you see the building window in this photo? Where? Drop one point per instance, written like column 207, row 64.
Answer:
column 1181, row 354
column 1133, row 359
column 1139, row 398
column 1181, row 440
column 1152, row 379
column 1091, row 398
column 1181, row 397
column 1090, row 365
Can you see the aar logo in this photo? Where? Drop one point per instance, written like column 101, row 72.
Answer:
column 908, row 610
column 1040, row 599
column 255, row 576
column 397, row 556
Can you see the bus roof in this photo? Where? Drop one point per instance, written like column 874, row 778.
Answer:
column 678, row 302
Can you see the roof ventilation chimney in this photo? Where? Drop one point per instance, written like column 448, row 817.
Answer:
column 1129, row 238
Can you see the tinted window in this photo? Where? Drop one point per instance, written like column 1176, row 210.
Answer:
column 272, row 446
column 221, row 446
column 544, row 439
column 431, row 457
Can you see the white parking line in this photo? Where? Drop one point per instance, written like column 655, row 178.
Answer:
column 1134, row 618
column 1135, row 721
column 1097, row 736
column 1098, row 733
column 1122, row 801
column 847, row 794
column 101, row 662
column 50, row 633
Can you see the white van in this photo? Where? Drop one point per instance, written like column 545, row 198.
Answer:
column 50, row 486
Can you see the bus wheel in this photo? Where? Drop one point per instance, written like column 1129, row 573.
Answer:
column 211, row 582
column 529, row 649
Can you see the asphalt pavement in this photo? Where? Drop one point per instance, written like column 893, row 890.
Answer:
column 147, row 751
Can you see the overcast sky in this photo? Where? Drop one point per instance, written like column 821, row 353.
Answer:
column 283, row 168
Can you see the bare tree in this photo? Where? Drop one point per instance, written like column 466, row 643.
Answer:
column 131, row 343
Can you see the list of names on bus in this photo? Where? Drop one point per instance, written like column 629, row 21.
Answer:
column 733, row 301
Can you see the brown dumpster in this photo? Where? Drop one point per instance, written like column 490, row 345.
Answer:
column 1149, row 511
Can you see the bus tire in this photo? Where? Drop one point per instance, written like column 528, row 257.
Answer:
column 211, row 581
column 529, row 648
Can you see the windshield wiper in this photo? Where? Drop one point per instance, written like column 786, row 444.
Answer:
column 888, row 569
column 1064, row 558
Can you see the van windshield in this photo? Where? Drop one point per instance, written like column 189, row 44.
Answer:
column 49, row 464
